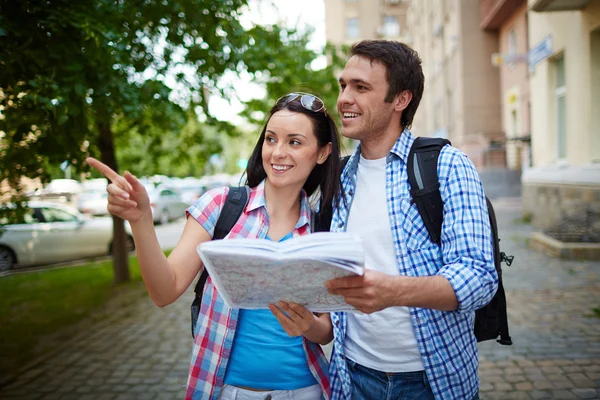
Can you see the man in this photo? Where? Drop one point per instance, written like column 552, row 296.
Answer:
column 415, row 337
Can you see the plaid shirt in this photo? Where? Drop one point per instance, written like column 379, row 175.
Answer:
column 215, row 330
column 445, row 339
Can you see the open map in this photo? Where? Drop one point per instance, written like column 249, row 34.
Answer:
column 255, row 274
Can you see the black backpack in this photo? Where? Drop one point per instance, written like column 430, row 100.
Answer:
column 491, row 320
column 232, row 210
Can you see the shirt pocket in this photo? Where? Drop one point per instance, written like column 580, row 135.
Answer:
column 415, row 232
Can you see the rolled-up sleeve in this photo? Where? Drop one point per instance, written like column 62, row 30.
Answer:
column 206, row 209
column 466, row 234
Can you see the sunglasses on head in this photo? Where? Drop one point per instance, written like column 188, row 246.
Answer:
column 308, row 101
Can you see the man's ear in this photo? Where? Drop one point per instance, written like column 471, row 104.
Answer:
column 402, row 100
column 324, row 153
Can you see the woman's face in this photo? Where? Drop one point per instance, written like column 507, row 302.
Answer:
column 290, row 149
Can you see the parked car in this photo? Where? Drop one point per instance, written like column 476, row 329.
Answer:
column 94, row 198
column 190, row 189
column 166, row 203
column 51, row 233
column 61, row 186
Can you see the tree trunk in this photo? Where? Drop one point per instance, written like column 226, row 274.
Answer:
column 119, row 244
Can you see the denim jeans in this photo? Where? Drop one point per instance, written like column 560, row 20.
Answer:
column 370, row 384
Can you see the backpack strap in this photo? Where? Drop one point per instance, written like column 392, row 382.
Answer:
column 232, row 210
column 424, row 183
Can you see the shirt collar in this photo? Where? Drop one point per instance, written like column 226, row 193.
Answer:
column 257, row 200
column 401, row 149
column 402, row 146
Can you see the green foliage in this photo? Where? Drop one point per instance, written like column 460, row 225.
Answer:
column 69, row 68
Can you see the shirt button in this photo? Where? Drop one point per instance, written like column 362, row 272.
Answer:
column 340, row 224
column 351, row 192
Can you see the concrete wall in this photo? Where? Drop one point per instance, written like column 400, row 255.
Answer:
column 555, row 186
column 571, row 33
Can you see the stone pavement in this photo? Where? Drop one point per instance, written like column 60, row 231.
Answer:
column 142, row 352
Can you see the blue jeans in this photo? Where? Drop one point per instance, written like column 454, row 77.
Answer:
column 370, row 384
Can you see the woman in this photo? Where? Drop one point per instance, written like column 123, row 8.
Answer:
column 248, row 353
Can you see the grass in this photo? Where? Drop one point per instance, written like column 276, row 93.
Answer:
column 37, row 306
column 596, row 312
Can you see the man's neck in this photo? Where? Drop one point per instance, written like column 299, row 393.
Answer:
column 380, row 145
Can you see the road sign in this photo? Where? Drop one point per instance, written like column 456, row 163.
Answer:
column 499, row 59
column 540, row 51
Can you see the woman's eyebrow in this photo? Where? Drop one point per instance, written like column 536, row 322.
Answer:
column 296, row 134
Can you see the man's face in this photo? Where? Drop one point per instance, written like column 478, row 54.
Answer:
column 361, row 103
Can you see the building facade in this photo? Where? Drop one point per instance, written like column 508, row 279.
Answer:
column 565, row 104
column 347, row 21
column 462, row 88
column 509, row 19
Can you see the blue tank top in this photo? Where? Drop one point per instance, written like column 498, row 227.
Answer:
column 263, row 356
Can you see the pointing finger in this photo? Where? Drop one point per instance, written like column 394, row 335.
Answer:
column 102, row 168
column 108, row 172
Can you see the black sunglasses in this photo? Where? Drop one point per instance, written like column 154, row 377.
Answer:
column 308, row 101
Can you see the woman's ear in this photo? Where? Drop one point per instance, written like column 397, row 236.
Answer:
column 324, row 153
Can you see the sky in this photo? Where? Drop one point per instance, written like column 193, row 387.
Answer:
column 291, row 13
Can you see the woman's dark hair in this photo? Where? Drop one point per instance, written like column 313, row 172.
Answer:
column 403, row 71
column 324, row 176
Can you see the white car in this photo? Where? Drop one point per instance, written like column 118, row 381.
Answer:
column 93, row 203
column 166, row 203
column 52, row 233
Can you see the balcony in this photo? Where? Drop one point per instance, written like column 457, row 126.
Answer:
column 495, row 12
column 558, row 5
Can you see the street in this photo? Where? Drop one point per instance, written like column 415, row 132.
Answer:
column 142, row 352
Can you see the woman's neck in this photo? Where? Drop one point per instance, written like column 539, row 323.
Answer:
column 282, row 202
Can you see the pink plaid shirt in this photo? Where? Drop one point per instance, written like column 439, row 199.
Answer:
column 216, row 325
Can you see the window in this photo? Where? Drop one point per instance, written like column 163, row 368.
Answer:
column 560, row 95
column 391, row 27
column 352, row 28
column 57, row 215
column 27, row 218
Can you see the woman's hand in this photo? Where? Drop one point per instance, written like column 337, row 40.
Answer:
column 294, row 318
column 127, row 197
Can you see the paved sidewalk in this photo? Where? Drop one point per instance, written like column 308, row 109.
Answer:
column 143, row 351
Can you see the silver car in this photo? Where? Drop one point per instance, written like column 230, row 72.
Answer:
column 51, row 233
column 166, row 203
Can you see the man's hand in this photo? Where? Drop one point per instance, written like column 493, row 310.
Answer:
column 369, row 293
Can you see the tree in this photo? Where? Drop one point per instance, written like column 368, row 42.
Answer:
column 73, row 75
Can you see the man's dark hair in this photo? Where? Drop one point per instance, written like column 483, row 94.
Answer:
column 324, row 176
column 403, row 71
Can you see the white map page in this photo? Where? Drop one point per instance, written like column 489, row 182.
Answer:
column 253, row 273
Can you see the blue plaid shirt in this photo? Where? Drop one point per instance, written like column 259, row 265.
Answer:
column 446, row 340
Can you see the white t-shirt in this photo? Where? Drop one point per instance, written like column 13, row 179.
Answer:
column 384, row 340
